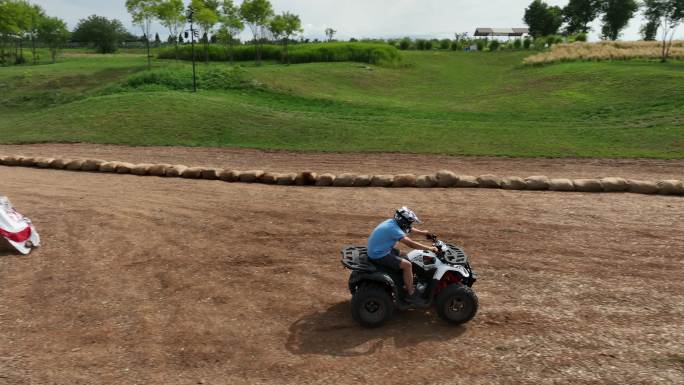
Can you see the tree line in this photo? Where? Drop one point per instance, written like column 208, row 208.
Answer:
column 23, row 23
column 221, row 20
column 577, row 15
column 26, row 25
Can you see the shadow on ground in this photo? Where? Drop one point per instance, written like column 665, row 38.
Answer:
column 333, row 332
column 6, row 250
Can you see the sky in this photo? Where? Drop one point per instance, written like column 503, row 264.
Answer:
column 359, row 18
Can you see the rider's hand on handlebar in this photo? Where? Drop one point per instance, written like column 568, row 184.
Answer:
column 434, row 250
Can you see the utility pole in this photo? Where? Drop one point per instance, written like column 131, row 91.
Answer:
column 191, row 14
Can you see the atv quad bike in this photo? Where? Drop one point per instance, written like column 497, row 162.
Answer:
column 443, row 280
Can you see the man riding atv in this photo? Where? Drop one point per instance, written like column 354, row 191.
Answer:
column 382, row 241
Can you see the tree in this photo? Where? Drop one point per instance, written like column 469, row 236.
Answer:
column 578, row 14
column 9, row 28
column 143, row 13
column 34, row 16
column 330, row 33
column 542, row 19
column 206, row 15
column 277, row 26
column 22, row 21
column 616, row 16
column 665, row 15
column 170, row 15
column 649, row 31
column 285, row 26
column 232, row 25
column 256, row 14
column 103, row 33
column 53, row 32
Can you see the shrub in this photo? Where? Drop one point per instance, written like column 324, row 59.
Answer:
column 539, row 43
column 550, row 40
column 444, row 44
column 527, row 43
column 455, row 45
column 420, row 44
column 213, row 78
column 405, row 44
column 428, row 45
column 494, row 45
column 371, row 53
column 517, row 44
column 480, row 44
column 581, row 37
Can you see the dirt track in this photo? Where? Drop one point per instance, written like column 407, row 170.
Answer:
column 160, row 281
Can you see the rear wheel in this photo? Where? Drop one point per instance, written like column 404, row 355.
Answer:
column 457, row 304
column 371, row 305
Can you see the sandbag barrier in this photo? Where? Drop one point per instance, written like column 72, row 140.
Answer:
column 442, row 179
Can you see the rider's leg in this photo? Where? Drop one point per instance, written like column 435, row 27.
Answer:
column 407, row 268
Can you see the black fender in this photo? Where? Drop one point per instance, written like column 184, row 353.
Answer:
column 356, row 278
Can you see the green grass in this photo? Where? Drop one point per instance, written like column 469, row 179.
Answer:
column 438, row 102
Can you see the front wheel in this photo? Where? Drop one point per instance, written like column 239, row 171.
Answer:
column 457, row 304
column 371, row 306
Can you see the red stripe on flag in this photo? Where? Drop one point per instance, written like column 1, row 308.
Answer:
column 21, row 236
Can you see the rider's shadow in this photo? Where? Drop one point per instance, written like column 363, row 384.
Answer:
column 333, row 332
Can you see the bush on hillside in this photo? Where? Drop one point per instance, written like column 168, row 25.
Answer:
column 539, row 43
column 527, row 43
column 494, row 45
column 550, row 40
column 405, row 44
column 444, row 43
column 212, row 78
column 481, row 43
column 517, row 44
column 371, row 53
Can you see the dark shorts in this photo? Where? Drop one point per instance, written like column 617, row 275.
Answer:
column 391, row 260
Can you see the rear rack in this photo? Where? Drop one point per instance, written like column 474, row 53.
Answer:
column 356, row 258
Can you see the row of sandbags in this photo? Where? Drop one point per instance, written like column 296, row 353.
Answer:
column 440, row 179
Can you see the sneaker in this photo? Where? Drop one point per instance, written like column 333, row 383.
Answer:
column 414, row 299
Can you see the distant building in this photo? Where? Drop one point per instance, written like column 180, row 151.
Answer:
column 505, row 32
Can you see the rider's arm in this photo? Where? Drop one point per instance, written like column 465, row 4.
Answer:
column 413, row 244
column 418, row 231
column 424, row 233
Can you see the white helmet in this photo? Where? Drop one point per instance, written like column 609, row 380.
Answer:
column 405, row 218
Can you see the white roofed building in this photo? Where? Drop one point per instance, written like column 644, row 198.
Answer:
column 502, row 32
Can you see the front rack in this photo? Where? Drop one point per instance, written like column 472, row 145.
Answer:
column 455, row 255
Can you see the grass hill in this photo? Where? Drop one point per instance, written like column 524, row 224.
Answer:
column 434, row 102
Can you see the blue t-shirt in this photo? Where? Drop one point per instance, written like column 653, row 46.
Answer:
column 383, row 238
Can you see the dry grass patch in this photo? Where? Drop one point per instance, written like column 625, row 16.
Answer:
column 606, row 50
